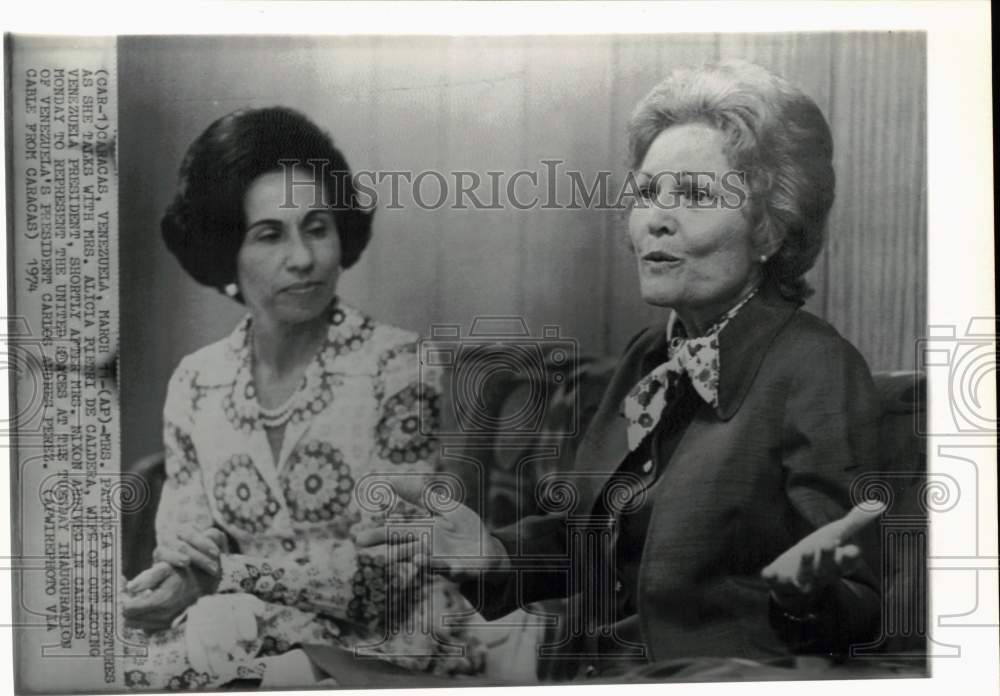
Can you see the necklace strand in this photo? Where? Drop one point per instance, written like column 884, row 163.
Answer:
column 279, row 416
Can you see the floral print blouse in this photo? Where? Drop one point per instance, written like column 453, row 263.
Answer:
column 364, row 409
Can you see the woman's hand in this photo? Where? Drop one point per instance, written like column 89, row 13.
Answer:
column 798, row 575
column 201, row 548
column 460, row 546
column 219, row 628
column 159, row 594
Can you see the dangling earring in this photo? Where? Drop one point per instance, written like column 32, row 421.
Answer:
column 232, row 290
column 763, row 258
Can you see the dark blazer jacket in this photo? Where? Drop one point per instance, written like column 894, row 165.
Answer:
column 796, row 424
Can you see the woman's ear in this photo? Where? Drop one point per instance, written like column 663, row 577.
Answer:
column 767, row 240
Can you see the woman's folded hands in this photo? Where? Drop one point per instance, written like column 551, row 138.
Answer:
column 159, row 594
column 191, row 546
column 185, row 568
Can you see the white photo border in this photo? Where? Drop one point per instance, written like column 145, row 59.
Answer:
column 960, row 212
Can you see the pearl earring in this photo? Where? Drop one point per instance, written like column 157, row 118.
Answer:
column 763, row 258
column 232, row 290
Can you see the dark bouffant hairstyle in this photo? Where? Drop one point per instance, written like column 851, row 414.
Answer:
column 775, row 134
column 204, row 226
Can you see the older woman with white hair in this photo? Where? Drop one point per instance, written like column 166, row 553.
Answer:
column 709, row 513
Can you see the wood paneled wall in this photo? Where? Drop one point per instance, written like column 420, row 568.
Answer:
column 506, row 104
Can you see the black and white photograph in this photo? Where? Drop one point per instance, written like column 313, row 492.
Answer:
column 400, row 361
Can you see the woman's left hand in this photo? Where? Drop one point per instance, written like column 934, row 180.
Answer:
column 798, row 575
column 159, row 594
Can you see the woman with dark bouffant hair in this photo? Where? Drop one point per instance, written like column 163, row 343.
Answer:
column 272, row 433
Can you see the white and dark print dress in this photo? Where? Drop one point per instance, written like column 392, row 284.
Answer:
column 364, row 409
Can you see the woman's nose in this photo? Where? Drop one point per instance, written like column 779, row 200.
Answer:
column 661, row 222
column 660, row 230
column 300, row 255
column 658, row 218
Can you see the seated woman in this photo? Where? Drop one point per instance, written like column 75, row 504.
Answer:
column 704, row 515
column 272, row 432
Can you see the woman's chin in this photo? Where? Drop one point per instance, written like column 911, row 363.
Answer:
column 302, row 311
column 658, row 297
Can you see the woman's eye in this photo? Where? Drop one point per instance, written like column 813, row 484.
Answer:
column 646, row 192
column 268, row 235
column 319, row 225
column 697, row 194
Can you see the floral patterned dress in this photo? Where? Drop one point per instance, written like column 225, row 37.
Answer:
column 364, row 411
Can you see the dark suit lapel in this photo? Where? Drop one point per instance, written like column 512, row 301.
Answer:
column 605, row 445
column 744, row 343
column 601, row 451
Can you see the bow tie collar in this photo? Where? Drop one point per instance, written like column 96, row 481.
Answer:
column 697, row 357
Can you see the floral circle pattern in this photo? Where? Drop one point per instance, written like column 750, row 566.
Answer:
column 190, row 680
column 136, row 677
column 318, row 483
column 383, row 591
column 242, row 496
column 187, row 461
column 273, row 646
column 349, row 331
column 268, row 583
column 367, row 606
column 407, row 418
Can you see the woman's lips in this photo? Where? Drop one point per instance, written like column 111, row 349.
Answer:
column 302, row 288
column 661, row 258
